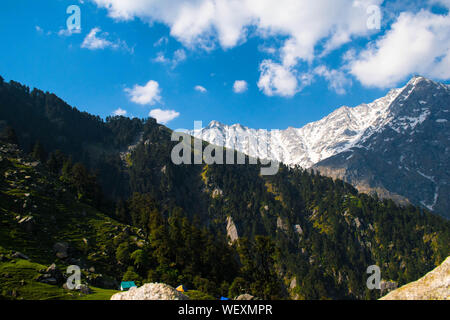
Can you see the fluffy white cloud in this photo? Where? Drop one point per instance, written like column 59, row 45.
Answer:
column 309, row 28
column 96, row 40
column 200, row 89
column 164, row 116
column 277, row 79
column 337, row 79
column 119, row 112
column 147, row 94
column 240, row 86
column 178, row 56
column 196, row 21
column 417, row 43
column 160, row 58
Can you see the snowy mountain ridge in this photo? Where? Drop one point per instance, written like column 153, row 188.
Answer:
column 341, row 130
column 397, row 146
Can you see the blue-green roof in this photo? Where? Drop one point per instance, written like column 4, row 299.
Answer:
column 127, row 284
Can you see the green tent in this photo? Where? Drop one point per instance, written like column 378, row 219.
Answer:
column 126, row 285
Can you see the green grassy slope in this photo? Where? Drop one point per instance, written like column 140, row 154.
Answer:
column 35, row 213
column 18, row 282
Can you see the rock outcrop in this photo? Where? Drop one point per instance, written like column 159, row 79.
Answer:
column 435, row 285
column 61, row 249
column 232, row 232
column 151, row 291
column 51, row 275
column 245, row 297
column 282, row 225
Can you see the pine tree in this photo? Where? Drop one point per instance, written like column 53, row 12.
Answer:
column 38, row 152
column 10, row 135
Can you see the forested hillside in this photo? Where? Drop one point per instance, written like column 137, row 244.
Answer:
column 301, row 235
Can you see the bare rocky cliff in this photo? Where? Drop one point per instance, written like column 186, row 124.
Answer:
column 435, row 285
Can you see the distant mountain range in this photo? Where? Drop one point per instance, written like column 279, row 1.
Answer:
column 397, row 146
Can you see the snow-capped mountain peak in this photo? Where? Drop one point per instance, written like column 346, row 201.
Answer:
column 397, row 145
column 316, row 141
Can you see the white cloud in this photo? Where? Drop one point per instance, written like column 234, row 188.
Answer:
column 196, row 21
column 160, row 58
column 240, row 86
column 307, row 29
column 269, row 50
column 338, row 80
column 147, row 94
column 42, row 31
column 161, row 41
column 200, row 89
column 96, row 40
column 416, row 44
column 163, row 116
column 119, row 112
column 178, row 56
column 277, row 79
column 416, row 41
column 69, row 32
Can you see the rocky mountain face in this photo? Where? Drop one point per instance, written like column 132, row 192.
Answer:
column 435, row 285
column 408, row 156
column 397, row 146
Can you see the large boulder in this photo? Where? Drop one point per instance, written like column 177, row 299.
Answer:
column 151, row 291
column 435, row 285
column 245, row 297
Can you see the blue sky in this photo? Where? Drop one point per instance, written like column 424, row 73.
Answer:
column 294, row 61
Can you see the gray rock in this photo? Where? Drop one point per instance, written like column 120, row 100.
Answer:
column 232, row 232
column 51, row 275
column 20, row 256
column 51, row 281
column 245, row 297
column 282, row 224
column 84, row 289
column 293, row 283
column 27, row 223
column 217, row 193
column 61, row 250
column 298, row 229
column 435, row 285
